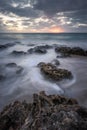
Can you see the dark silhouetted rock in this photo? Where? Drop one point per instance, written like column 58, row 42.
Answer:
column 18, row 53
column 11, row 65
column 2, row 47
column 54, row 73
column 55, row 62
column 19, row 69
column 38, row 49
column 2, row 77
column 46, row 112
column 71, row 51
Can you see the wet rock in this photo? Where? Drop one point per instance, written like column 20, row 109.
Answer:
column 71, row 51
column 18, row 53
column 11, row 65
column 2, row 47
column 2, row 77
column 55, row 62
column 19, row 69
column 13, row 116
column 38, row 49
column 63, row 55
column 54, row 73
column 46, row 112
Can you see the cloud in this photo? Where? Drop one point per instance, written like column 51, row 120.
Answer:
column 43, row 15
column 51, row 7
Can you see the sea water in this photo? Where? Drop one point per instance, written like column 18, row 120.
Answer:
column 30, row 80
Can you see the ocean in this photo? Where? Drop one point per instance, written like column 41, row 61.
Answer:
column 24, row 77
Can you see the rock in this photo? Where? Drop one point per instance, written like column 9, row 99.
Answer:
column 2, row 77
column 13, row 116
column 19, row 69
column 11, row 65
column 55, row 62
column 2, row 47
column 38, row 49
column 46, row 112
column 18, row 53
column 71, row 51
column 63, row 55
column 54, row 73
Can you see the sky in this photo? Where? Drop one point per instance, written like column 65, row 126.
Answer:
column 43, row 16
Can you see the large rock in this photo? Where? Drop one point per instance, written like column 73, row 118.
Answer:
column 11, row 65
column 46, row 112
column 38, row 49
column 71, row 51
column 18, row 53
column 2, row 47
column 54, row 73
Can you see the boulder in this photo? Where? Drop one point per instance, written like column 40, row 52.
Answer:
column 2, row 47
column 46, row 112
column 71, row 51
column 55, row 62
column 18, row 53
column 52, row 72
column 2, row 77
column 11, row 65
column 38, row 49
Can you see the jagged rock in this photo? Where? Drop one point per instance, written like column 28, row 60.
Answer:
column 18, row 53
column 54, row 73
column 46, row 112
column 71, row 51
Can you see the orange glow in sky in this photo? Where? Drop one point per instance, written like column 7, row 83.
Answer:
column 56, row 29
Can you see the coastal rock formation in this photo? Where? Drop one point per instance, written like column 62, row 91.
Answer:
column 46, row 112
column 71, row 51
column 55, row 62
column 2, row 77
column 2, row 47
column 18, row 53
column 38, row 49
column 11, row 65
column 54, row 73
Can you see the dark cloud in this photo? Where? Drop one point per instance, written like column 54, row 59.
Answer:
column 69, row 14
column 6, row 7
column 51, row 7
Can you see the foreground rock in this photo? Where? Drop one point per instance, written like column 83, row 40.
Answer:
column 54, row 73
column 51, row 112
column 66, row 51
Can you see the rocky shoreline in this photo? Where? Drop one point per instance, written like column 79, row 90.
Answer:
column 46, row 112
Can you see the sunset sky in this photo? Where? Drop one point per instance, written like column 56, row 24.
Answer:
column 52, row 16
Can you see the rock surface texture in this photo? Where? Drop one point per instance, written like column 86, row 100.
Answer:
column 46, row 112
column 66, row 51
column 54, row 73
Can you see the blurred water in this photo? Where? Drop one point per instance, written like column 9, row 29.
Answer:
column 23, row 85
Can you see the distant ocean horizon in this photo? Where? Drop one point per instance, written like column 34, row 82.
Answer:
column 69, row 39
